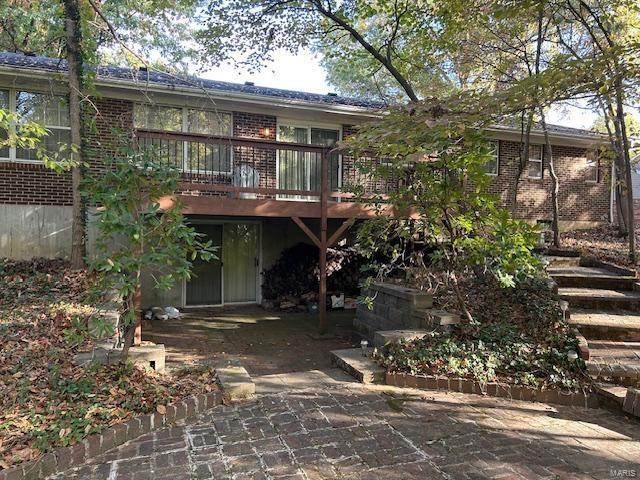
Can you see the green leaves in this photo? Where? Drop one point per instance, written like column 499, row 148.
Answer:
column 136, row 237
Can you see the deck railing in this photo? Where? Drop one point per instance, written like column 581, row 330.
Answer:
column 253, row 168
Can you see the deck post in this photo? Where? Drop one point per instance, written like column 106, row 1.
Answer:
column 324, row 199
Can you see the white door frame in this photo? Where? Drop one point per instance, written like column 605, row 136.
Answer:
column 258, row 267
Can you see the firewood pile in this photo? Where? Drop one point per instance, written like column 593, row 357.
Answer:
column 292, row 282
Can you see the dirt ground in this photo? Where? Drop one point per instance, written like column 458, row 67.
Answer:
column 265, row 342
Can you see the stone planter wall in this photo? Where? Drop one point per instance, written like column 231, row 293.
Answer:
column 394, row 308
column 493, row 389
column 75, row 455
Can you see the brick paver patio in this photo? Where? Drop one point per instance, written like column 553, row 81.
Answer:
column 312, row 429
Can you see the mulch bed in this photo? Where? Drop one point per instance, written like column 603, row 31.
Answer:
column 47, row 400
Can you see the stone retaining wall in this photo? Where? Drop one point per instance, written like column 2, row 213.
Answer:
column 394, row 308
column 64, row 458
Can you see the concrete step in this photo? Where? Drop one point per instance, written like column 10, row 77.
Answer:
column 602, row 325
column 381, row 338
column 358, row 363
column 615, row 394
column 600, row 299
column 591, row 277
column 618, row 362
column 561, row 261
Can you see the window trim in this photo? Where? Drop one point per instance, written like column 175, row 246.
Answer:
column 288, row 122
column 536, row 160
column 497, row 156
column 184, row 128
column 13, row 107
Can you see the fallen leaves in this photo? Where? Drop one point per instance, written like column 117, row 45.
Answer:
column 47, row 400
column 605, row 243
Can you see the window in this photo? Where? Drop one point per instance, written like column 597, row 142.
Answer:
column 535, row 166
column 302, row 170
column 591, row 168
column 156, row 117
column 194, row 156
column 492, row 165
column 50, row 111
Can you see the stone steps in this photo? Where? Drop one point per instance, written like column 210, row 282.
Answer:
column 613, row 393
column 600, row 299
column 602, row 325
column 616, row 361
column 591, row 277
column 561, row 261
column 358, row 363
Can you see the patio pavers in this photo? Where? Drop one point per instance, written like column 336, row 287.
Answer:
column 317, row 425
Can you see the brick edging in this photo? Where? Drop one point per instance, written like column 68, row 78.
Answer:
column 493, row 389
column 67, row 457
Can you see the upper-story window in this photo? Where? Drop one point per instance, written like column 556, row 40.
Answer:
column 493, row 164
column 50, row 111
column 535, row 165
column 190, row 156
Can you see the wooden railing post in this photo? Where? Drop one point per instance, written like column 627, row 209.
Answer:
column 324, row 199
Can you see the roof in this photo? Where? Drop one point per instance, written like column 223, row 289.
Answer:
column 22, row 61
column 34, row 62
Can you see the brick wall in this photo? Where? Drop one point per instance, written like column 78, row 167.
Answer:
column 579, row 199
column 33, row 184
column 252, row 125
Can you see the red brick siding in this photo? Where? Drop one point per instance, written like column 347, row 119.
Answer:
column 113, row 121
column 578, row 199
column 33, row 184
column 264, row 161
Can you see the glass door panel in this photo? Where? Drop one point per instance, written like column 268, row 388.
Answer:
column 240, row 247
column 302, row 170
column 205, row 286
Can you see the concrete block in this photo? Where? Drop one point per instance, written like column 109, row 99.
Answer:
column 631, row 402
column 360, row 366
column 235, row 380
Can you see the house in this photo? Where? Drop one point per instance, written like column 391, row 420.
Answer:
column 251, row 160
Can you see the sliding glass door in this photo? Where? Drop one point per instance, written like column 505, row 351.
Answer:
column 233, row 276
column 240, row 254
column 205, row 286
column 302, row 170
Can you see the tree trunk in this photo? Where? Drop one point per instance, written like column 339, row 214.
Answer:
column 555, row 186
column 522, row 163
column 74, row 59
column 620, row 120
column 618, row 162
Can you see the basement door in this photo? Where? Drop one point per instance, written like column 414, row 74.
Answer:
column 233, row 276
